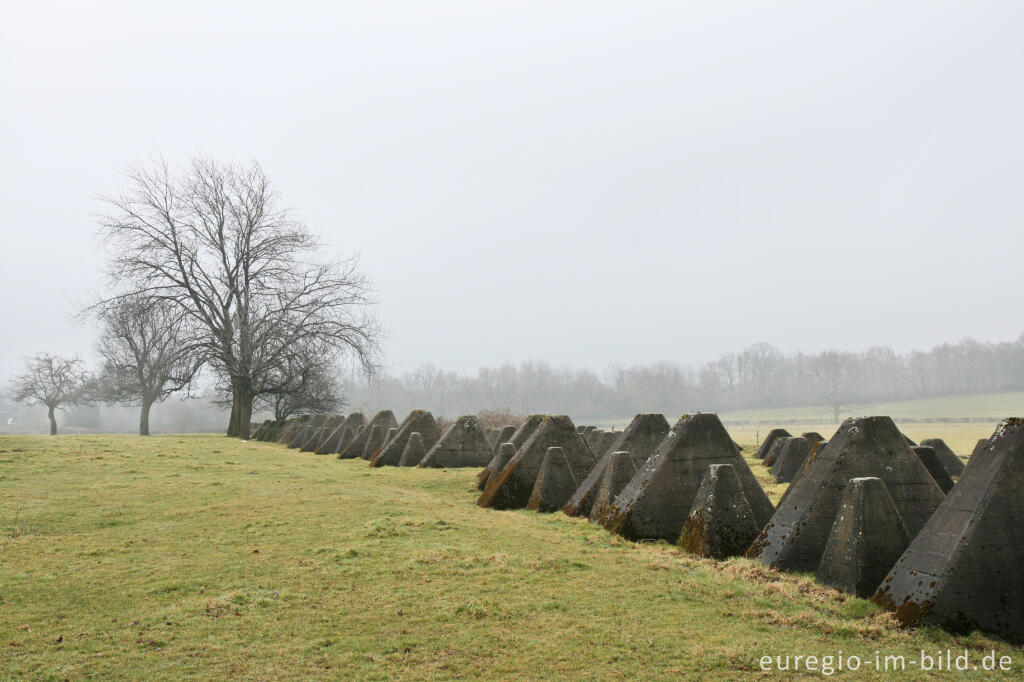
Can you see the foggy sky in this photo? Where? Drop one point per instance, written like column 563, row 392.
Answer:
column 579, row 182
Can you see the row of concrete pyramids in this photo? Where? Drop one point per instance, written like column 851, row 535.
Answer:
column 417, row 441
column 866, row 510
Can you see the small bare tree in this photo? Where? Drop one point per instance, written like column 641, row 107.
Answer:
column 308, row 384
column 834, row 377
column 50, row 380
column 215, row 242
column 149, row 352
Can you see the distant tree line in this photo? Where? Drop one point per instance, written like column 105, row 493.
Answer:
column 758, row 377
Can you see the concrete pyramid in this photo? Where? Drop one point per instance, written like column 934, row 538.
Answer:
column 979, row 446
column 554, row 483
column 317, row 437
column 791, row 456
column 414, row 451
column 773, row 452
column 816, row 447
column 512, row 486
column 766, row 444
column 965, row 569
column 795, row 537
column 388, row 437
column 931, row 462
column 657, row 501
column 640, row 439
column 505, row 434
column 720, row 523
column 301, row 436
column 592, row 437
column 462, row 445
column 385, row 419
column 605, row 443
column 619, row 471
column 518, row 437
column 506, row 451
column 336, row 439
column 867, row 538
column 290, row 429
column 812, row 436
column 419, row 421
column 954, row 465
column 374, row 440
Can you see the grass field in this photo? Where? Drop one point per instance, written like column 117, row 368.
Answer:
column 203, row 557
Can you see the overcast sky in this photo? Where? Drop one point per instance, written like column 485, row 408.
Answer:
column 579, row 182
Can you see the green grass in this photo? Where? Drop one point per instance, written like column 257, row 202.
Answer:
column 201, row 557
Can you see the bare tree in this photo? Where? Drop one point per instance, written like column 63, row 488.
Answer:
column 835, row 377
column 149, row 352
column 50, row 380
column 215, row 241
column 305, row 383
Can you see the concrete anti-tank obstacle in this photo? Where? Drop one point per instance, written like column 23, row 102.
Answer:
column 931, row 462
column 368, row 455
column 773, row 452
column 414, row 451
column 554, row 483
column 657, row 501
column 418, row 421
column 619, row 471
column 965, row 569
column 511, row 488
column 506, row 451
column 791, row 456
column 720, row 523
column 334, row 442
column 641, row 439
column 953, row 465
column 300, row 436
column 795, row 537
column 867, row 538
column 385, row 419
column 374, row 440
column 518, row 437
column 505, row 434
column 319, row 434
column 812, row 436
column 462, row 445
column 766, row 444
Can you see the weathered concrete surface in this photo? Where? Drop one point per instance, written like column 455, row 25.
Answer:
column 773, row 452
column 979, row 446
column 388, row 437
column 720, row 523
column 301, row 436
column 791, row 456
column 796, row 535
column 931, row 462
column 462, row 445
column 518, row 437
column 812, row 436
column 511, row 488
column 766, row 444
column 506, row 451
column 554, row 483
column 816, row 447
column 505, row 434
column 336, row 439
column 606, row 443
column 374, row 440
column 619, row 471
column 592, row 438
column 953, row 465
column 292, row 428
column 965, row 569
column 657, row 501
column 319, row 435
column 385, row 419
column 640, row 439
column 418, row 421
column 867, row 538
column 414, row 451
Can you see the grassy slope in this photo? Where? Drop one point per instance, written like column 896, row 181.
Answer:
column 201, row 556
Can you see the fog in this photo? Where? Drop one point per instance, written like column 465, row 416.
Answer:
column 580, row 183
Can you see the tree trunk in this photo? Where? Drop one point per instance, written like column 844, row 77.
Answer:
column 241, row 409
column 53, row 419
column 144, row 418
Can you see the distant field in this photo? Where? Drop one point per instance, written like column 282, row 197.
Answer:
column 205, row 557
